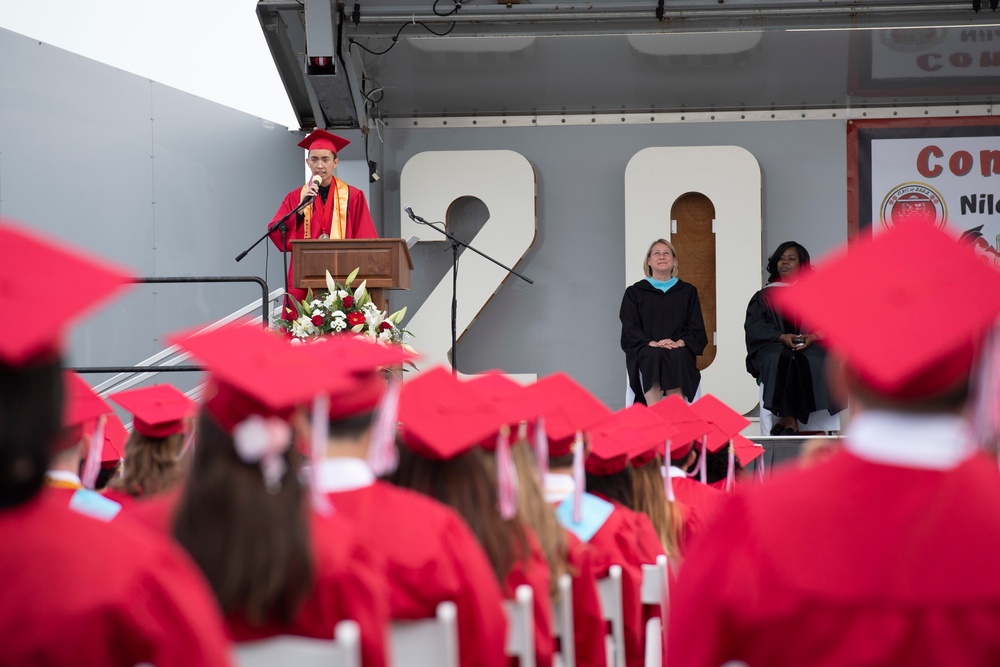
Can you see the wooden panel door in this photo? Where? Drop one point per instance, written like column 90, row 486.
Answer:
column 692, row 220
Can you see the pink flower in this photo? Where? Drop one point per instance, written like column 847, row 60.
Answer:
column 348, row 301
column 317, row 320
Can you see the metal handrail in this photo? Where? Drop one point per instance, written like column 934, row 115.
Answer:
column 167, row 360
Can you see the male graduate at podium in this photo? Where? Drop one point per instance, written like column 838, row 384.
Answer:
column 337, row 211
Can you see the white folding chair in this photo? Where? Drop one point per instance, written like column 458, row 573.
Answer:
column 562, row 622
column 343, row 650
column 609, row 589
column 521, row 626
column 431, row 642
column 654, row 591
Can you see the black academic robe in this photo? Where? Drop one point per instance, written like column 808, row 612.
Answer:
column 647, row 314
column 763, row 325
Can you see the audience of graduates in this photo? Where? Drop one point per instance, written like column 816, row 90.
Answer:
column 286, row 500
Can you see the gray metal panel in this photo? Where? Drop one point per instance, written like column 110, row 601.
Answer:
column 155, row 179
column 568, row 319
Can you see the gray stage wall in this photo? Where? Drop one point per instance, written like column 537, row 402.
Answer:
column 577, row 261
column 170, row 184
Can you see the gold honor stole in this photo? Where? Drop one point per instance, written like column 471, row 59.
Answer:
column 338, row 211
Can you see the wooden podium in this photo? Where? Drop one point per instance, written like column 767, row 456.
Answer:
column 384, row 263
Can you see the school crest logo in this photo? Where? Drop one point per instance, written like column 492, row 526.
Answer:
column 913, row 203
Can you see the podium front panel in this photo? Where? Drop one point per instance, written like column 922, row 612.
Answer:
column 383, row 263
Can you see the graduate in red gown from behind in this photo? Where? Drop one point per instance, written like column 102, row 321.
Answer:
column 277, row 565
column 442, row 421
column 431, row 554
column 77, row 591
column 885, row 554
column 337, row 210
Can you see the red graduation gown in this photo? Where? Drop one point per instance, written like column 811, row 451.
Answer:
column 431, row 556
column 628, row 539
column 349, row 583
column 77, row 591
column 534, row 571
column 359, row 223
column 588, row 621
column 698, row 504
column 848, row 563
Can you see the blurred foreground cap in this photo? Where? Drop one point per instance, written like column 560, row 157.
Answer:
column 576, row 410
column 255, row 372
column 442, row 418
column 158, row 411
column 905, row 309
column 30, row 265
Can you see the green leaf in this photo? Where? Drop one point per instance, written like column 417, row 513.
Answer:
column 352, row 276
column 397, row 317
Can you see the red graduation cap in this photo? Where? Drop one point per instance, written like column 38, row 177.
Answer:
column 443, row 418
column 255, row 372
column 115, row 436
column 725, row 421
column 905, row 308
column 689, row 426
column 746, row 450
column 359, row 361
column 323, row 140
column 23, row 258
column 577, row 410
column 80, row 411
column 158, row 411
column 609, row 449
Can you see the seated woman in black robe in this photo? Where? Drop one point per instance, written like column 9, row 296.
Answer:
column 662, row 329
column 786, row 360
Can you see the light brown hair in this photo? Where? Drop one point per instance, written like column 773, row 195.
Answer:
column 651, row 500
column 152, row 465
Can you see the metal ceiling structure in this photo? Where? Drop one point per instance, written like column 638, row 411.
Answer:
column 344, row 65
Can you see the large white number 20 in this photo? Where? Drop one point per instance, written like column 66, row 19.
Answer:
column 505, row 182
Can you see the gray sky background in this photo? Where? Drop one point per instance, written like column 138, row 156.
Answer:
column 215, row 49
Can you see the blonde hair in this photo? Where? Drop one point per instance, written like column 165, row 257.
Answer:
column 536, row 514
column 646, row 271
column 651, row 500
column 152, row 464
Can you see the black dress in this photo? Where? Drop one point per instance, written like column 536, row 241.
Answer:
column 794, row 380
column 649, row 314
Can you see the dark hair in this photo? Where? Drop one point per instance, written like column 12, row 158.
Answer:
column 351, row 427
column 152, row 464
column 31, row 401
column 465, row 484
column 717, row 465
column 772, row 261
column 564, row 461
column 253, row 546
column 617, row 486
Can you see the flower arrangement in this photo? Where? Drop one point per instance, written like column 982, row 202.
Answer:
column 340, row 309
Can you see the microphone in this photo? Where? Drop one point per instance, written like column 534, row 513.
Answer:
column 315, row 180
column 409, row 212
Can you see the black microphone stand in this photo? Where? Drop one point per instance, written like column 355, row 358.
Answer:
column 283, row 226
column 455, row 244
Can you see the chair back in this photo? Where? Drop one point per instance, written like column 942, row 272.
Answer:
column 609, row 589
column 521, row 626
column 562, row 625
column 655, row 591
column 343, row 650
column 430, row 642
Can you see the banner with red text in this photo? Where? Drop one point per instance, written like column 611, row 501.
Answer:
column 939, row 172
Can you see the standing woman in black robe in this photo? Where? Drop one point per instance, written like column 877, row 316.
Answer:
column 784, row 358
column 662, row 329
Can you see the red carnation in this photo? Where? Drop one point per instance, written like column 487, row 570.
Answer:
column 317, row 320
column 385, row 325
column 354, row 319
column 348, row 301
